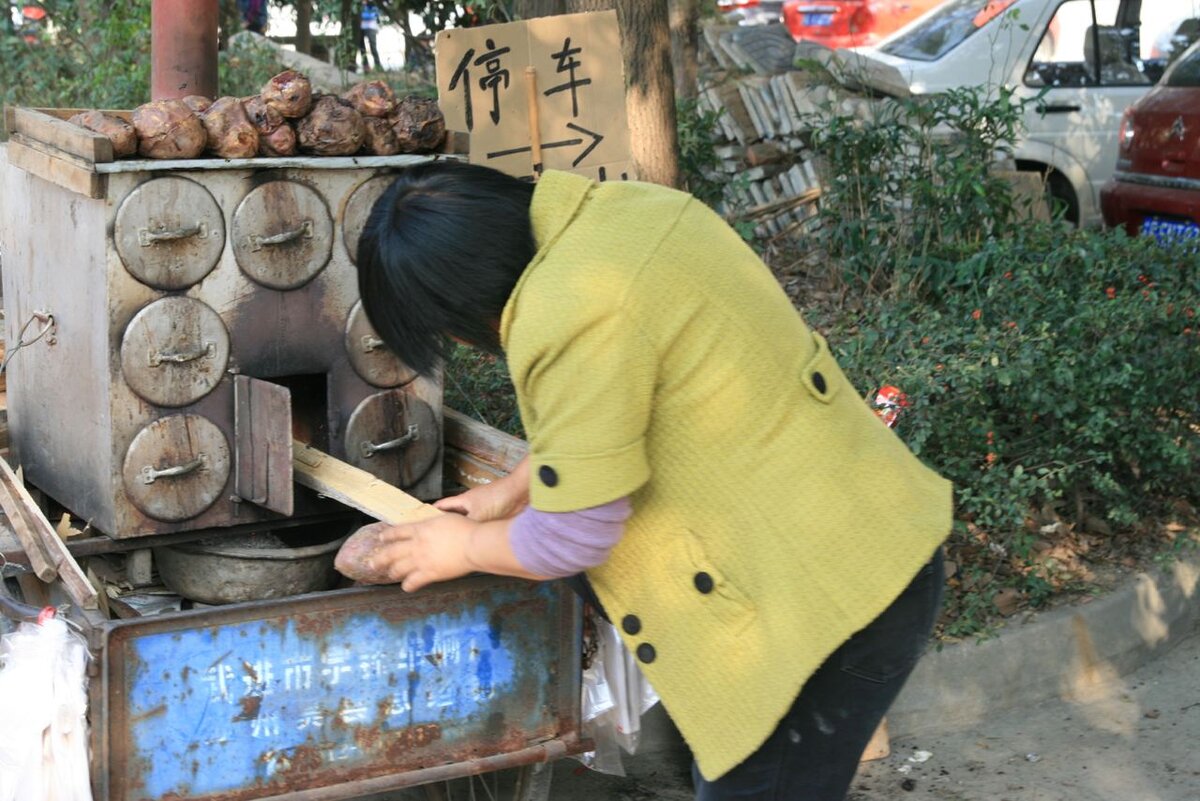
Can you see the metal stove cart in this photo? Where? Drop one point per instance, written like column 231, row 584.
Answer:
column 196, row 314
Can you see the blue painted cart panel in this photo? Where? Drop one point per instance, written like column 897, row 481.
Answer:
column 258, row 700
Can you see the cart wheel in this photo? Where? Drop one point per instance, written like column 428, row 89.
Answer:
column 527, row 783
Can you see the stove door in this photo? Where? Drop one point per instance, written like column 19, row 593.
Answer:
column 263, row 443
column 282, row 234
column 394, row 436
column 176, row 467
column 174, row 351
column 370, row 358
column 169, row 233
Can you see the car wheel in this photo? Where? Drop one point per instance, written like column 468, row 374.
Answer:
column 1060, row 195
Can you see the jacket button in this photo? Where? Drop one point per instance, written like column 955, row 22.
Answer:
column 645, row 652
column 631, row 624
column 818, row 381
column 548, row 475
column 703, row 582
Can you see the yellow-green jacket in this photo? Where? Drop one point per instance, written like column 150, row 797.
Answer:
column 655, row 356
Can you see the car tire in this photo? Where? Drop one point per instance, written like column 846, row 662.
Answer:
column 1060, row 195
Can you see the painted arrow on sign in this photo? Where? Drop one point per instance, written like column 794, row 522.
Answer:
column 596, row 140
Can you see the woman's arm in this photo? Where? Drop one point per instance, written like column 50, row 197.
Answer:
column 438, row 549
column 534, row 545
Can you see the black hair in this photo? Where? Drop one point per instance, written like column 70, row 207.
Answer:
column 440, row 254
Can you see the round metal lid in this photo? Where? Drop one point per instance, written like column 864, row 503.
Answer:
column 282, row 234
column 176, row 467
column 394, row 436
column 174, row 351
column 358, row 208
column 371, row 358
column 169, row 233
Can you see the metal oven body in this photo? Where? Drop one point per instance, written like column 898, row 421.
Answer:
column 202, row 315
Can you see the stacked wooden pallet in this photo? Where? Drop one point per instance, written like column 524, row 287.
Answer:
column 770, row 92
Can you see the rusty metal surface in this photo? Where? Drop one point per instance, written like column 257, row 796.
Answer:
column 183, row 48
column 358, row 208
column 169, row 232
column 394, row 436
column 262, row 444
column 176, row 467
column 329, row 695
column 282, row 234
column 174, row 351
column 369, row 355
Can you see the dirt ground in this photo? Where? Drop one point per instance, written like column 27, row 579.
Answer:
column 1131, row 738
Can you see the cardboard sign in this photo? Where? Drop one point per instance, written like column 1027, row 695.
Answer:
column 565, row 72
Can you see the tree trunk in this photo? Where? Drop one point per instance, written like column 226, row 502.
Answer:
column 347, row 46
column 649, row 84
column 229, row 22
column 528, row 9
column 685, row 47
column 304, row 40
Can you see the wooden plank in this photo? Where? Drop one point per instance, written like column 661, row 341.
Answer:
column 468, row 471
column 68, row 113
column 74, row 581
column 58, row 171
column 489, row 445
column 35, row 552
column 356, row 488
column 282, row 162
column 60, row 134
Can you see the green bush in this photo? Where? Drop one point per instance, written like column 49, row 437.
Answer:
column 909, row 188
column 1063, row 380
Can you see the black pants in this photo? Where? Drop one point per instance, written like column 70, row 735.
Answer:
column 370, row 47
column 814, row 753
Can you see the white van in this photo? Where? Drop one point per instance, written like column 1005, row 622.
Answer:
column 1090, row 58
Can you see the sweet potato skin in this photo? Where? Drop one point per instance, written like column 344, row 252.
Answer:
column 118, row 131
column 353, row 557
column 168, row 129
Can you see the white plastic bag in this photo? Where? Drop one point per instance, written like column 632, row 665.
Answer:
column 43, row 686
column 615, row 696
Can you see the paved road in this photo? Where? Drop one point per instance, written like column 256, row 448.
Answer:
column 1107, row 738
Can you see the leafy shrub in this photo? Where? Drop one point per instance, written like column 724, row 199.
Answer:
column 1062, row 382
column 477, row 384
column 106, row 65
column 698, row 160
column 909, row 188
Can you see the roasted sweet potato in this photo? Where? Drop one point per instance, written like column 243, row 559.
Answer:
column 289, row 93
column 168, row 129
column 332, row 128
column 197, row 103
column 371, row 98
column 419, row 124
column 231, row 135
column 119, row 132
column 280, row 142
column 379, row 137
column 355, row 554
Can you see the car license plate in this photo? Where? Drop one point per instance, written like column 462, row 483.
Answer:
column 818, row 19
column 1166, row 231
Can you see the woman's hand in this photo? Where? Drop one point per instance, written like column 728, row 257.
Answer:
column 503, row 498
column 415, row 554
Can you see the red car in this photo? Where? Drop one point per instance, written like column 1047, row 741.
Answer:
column 1156, row 188
column 850, row 23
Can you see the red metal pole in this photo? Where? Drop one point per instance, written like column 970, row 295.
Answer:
column 183, row 48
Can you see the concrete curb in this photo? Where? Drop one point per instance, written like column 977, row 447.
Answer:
column 1067, row 652
column 1073, row 651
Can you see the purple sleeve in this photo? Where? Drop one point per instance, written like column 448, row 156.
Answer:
column 558, row 544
